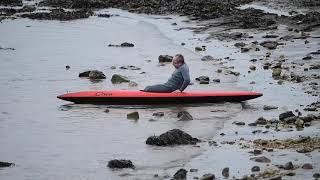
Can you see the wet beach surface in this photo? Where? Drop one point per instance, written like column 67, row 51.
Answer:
column 48, row 138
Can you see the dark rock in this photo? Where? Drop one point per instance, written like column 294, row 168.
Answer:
column 130, row 67
column 203, row 79
column 245, row 49
column 184, row 116
column 307, row 58
column 107, row 111
column 5, row 164
column 307, row 166
column 240, row 44
column 255, row 169
column 268, row 107
column 119, row 164
column 11, row 2
column 126, row 44
column 198, row 49
column 59, row 14
column 225, row 172
column 216, row 80
column 96, row 75
column 67, row 67
column 208, row 177
column 117, row 79
column 222, row 134
column 193, row 170
column 288, row 166
column 165, row 58
column 270, row 44
column 270, row 36
column 276, row 178
column 207, row 58
column 291, row 174
column 284, row 115
column 84, row 74
column 261, row 159
column 158, row 114
column 253, row 60
column 133, row 115
column 252, row 124
column 261, row 121
column 316, row 175
column 257, row 152
column 172, row 137
column 239, row 123
column 181, row 174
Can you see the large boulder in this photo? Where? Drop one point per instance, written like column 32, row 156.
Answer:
column 118, row 79
column 172, row 137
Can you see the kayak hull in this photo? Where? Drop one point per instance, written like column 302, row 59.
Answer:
column 126, row 97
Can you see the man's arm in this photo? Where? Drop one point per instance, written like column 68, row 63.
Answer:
column 186, row 78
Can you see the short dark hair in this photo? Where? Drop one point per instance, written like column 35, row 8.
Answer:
column 180, row 58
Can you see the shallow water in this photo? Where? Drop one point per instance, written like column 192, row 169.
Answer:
column 50, row 139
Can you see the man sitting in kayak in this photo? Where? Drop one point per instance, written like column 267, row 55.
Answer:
column 179, row 79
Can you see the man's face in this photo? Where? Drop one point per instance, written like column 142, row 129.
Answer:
column 176, row 63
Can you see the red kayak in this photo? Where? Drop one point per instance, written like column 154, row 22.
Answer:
column 129, row 97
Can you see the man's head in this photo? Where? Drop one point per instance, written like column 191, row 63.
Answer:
column 178, row 60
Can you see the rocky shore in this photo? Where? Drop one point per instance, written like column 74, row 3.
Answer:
column 269, row 38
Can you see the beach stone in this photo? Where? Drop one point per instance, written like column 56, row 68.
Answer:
column 288, row 166
column 84, row 74
column 158, row 114
column 198, row 48
column 316, row 175
column 130, row 67
column 299, row 123
column 245, row 49
column 286, row 114
column 203, row 79
column 96, row 75
column 181, row 174
column 270, row 36
column 207, row 58
column 290, row 120
column 184, row 116
column 117, row 79
column 261, row 159
column 107, row 111
column 257, row 152
column 67, row 67
column 239, row 123
column 208, row 176
column 126, row 44
column 307, row 166
column 307, row 57
column 193, row 170
column 132, row 84
column 5, row 164
column 304, row 150
column 225, row 172
column 269, row 107
column 269, row 44
column 119, row 164
column 276, row 73
column 172, row 137
column 240, row 44
column 252, row 124
column 261, row 121
column 252, row 67
column 133, row 115
column 165, row 58
column 276, row 178
column 216, row 80
column 255, row 169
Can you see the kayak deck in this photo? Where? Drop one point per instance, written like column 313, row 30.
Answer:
column 129, row 97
